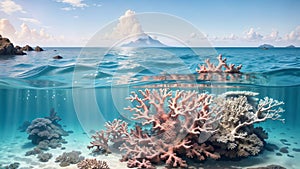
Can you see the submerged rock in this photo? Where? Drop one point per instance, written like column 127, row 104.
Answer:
column 271, row 147
column 284, row 150
column 296, row 149
column 57, row 57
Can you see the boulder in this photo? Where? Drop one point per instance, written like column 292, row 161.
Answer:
column 27, row 48
column 57, row 57
column 38, row 49
column 7, row 48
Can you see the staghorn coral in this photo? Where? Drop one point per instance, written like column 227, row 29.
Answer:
column 140, row 164
column 237, row 136
column 115, row 132
column 92, row 164
column 187, row 124
column 178, row 120
column 211, row 68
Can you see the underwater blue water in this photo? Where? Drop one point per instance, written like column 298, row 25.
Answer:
column 89, row 85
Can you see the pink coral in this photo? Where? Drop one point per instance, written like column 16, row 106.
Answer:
column 115, row 132
column 140, row 164
column 188, row 124
column 178, row 120
column 211, row 68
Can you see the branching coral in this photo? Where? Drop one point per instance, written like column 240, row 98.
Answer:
column 187, row 124
column 211, row 68
column 92, row 164
column 139, row 164
column 178, row 120
column 240, row 112
column 115, row 132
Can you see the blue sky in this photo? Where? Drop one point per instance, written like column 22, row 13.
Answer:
column 223, row 22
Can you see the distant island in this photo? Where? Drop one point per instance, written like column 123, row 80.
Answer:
column 144, row 40
column 266, row 46
column 290, row 46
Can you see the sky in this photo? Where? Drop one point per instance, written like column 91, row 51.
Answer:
column 222, row 22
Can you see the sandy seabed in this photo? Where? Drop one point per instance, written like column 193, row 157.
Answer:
column 14, row 149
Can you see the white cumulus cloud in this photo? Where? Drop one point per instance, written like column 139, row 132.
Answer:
column 128, row 25
column 9, row 7
column 25, row 35
column 252, row 35
column 31, row 20
column 273, row 36
column 294, row 35
column 231, row 37
column 74, row 3
column 6, row 28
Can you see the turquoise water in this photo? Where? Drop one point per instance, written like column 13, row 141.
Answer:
column 88, row 86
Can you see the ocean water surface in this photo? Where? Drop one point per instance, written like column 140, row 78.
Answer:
column 88, row 87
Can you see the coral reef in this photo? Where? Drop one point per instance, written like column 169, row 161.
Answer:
column 46, row 129
column 69, row 158
column 35, row 151
column 139, row 164
column 211, row 68
column 92, row 164
column 115, row 132
column 44, row 157
column 43, row 129
column 181, row 125
column 236, row 135
column 14, row 165
column 53, row 117
column 180, row 121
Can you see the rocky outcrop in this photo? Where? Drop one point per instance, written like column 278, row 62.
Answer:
column 7, row 48
column 27, row 48
column 38, row 49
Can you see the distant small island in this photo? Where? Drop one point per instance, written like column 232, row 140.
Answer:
column 266, row 46
column 144, row 40
column 291, row 46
